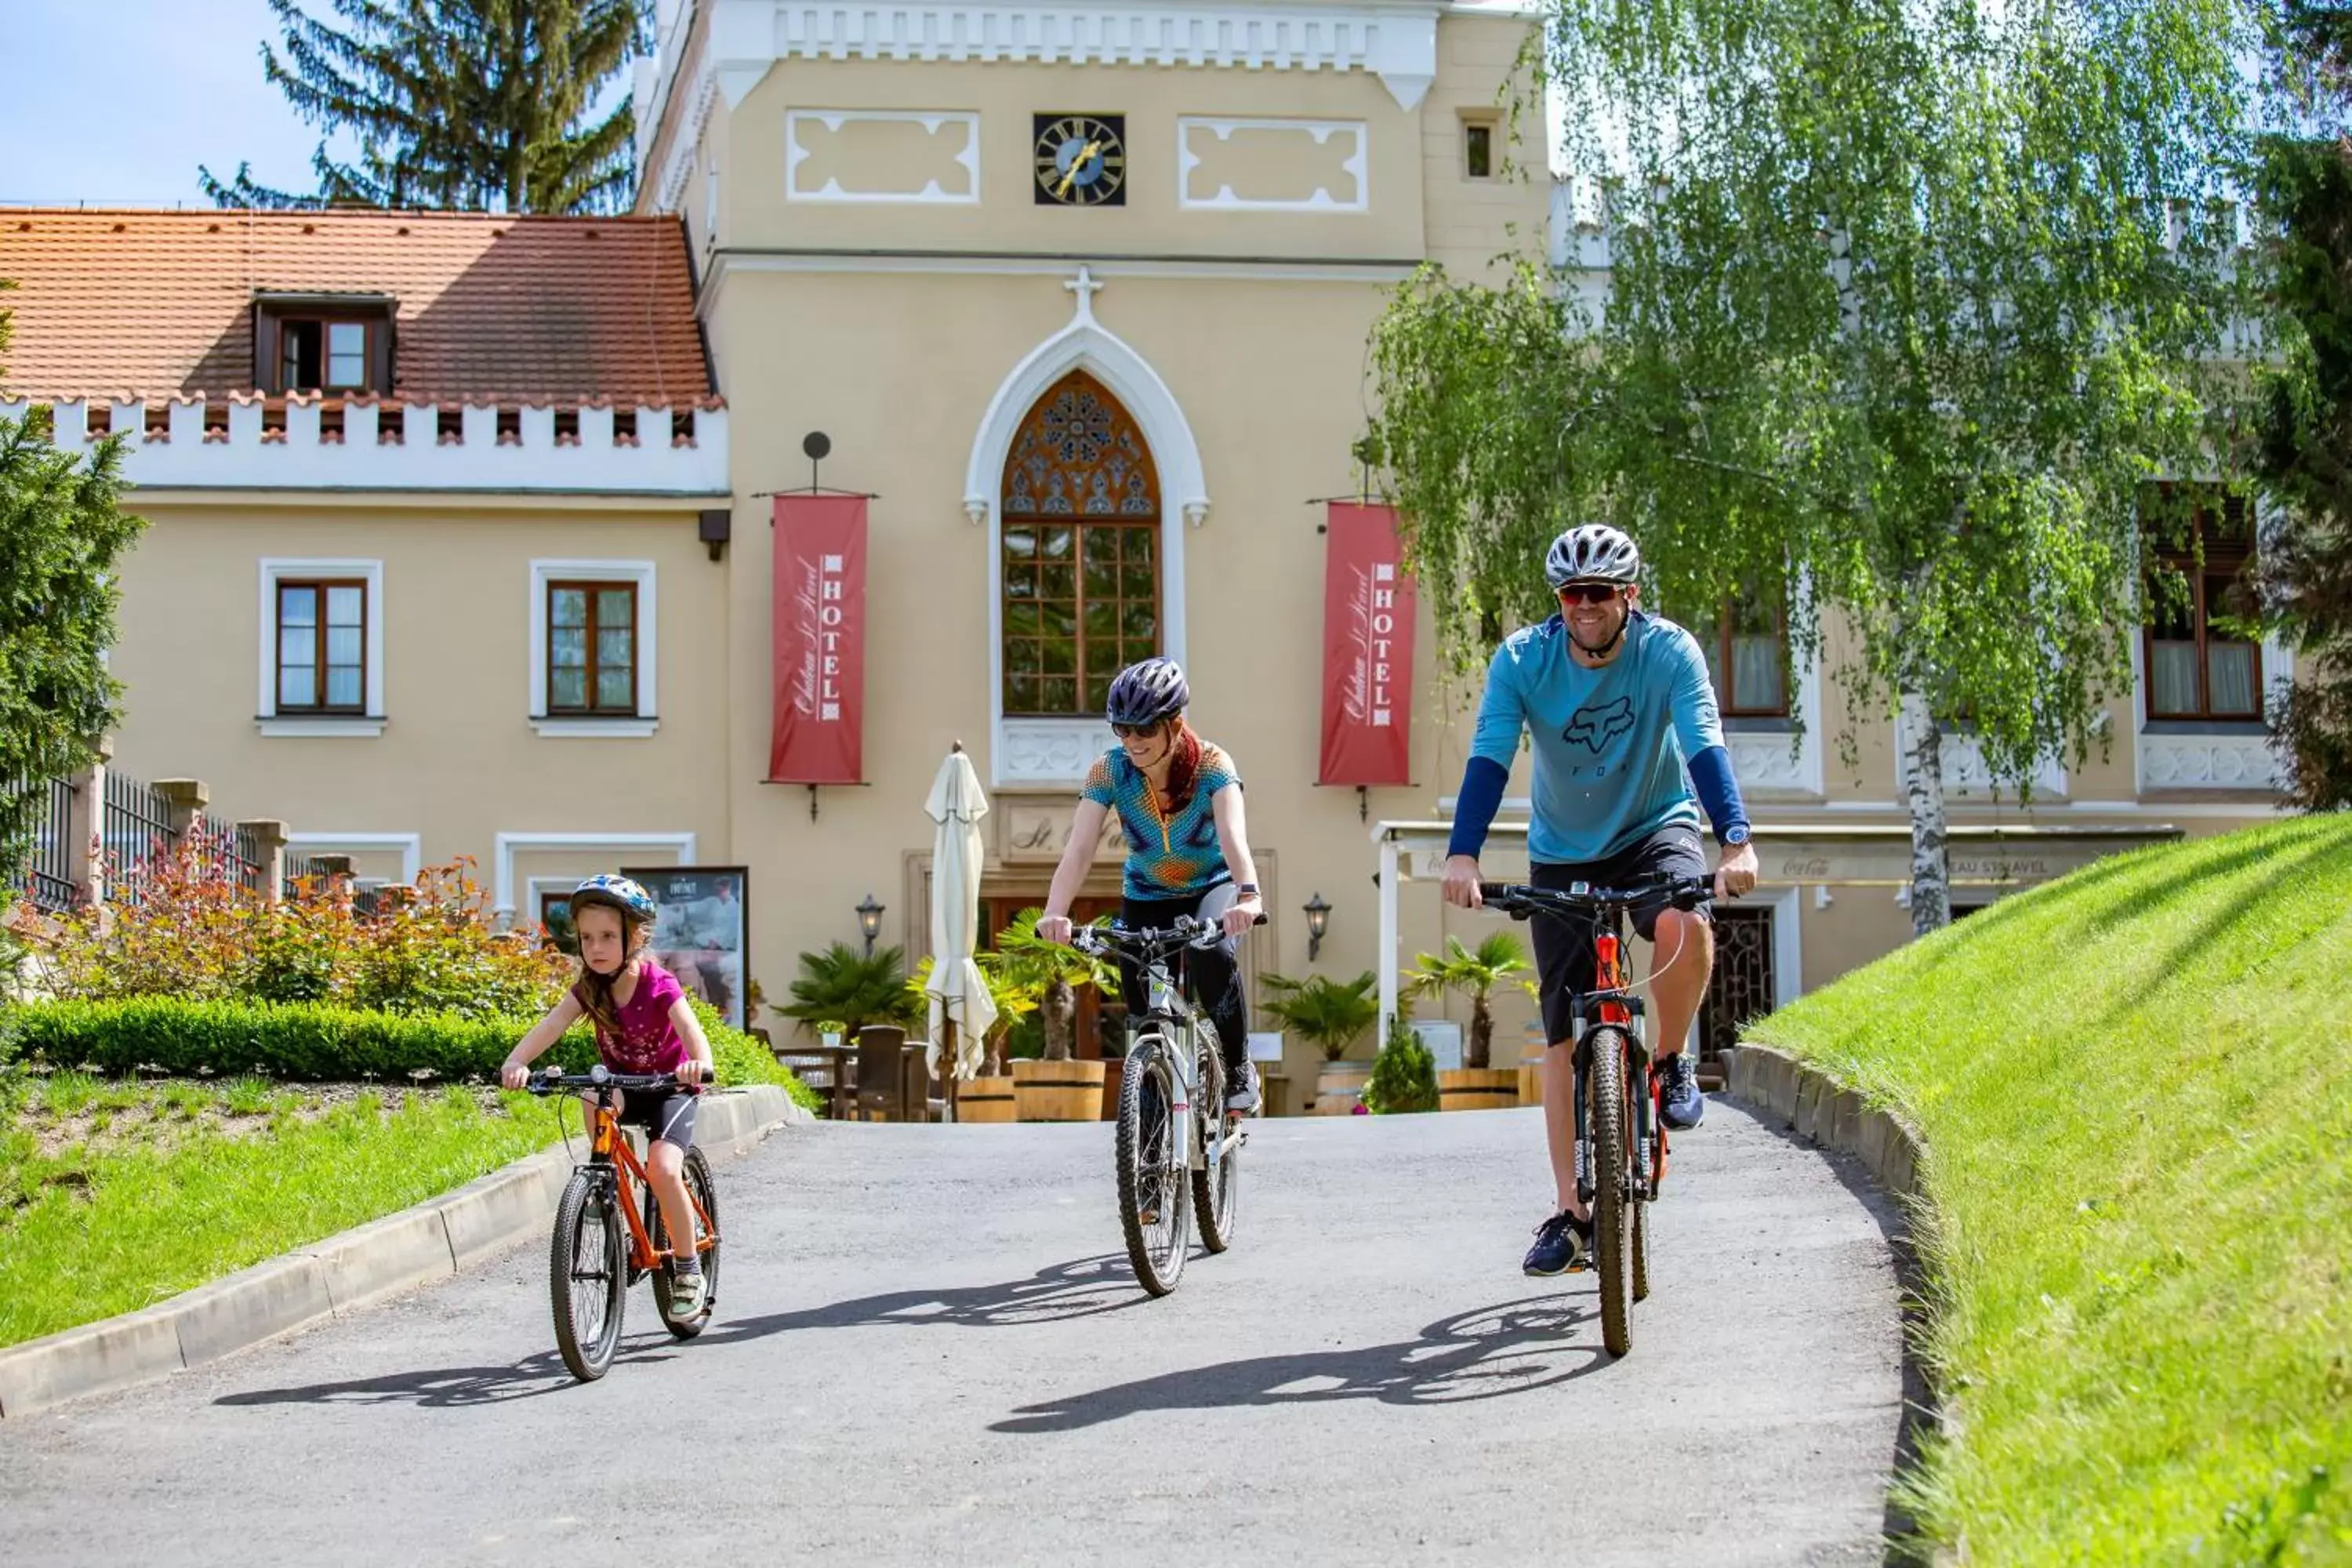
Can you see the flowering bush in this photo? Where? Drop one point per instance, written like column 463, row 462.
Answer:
column 195, row 933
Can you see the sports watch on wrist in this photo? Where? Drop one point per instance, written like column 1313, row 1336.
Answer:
column 1734, row 837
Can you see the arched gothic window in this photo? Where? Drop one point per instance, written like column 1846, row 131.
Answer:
column 1080, row 514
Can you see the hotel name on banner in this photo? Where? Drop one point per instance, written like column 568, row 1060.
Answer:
column 820, row 640
column 1367, row 644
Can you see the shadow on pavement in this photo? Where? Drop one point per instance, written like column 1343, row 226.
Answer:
column 1514, row 1348
column 1081, row 1289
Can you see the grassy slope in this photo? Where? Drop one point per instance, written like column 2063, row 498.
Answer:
column 2137, row 1091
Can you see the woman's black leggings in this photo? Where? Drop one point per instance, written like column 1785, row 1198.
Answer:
column 1211, row 976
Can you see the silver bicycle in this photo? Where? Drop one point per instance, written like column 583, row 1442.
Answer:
column 1178, row 1151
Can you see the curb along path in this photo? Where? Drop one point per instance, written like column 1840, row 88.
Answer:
column 1822, row 1111
column 341, row 1274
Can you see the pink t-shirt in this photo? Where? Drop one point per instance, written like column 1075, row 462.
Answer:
column 648, row 1041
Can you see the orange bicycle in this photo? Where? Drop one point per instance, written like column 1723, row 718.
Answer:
column 1621, row 1130
column 606, row 1238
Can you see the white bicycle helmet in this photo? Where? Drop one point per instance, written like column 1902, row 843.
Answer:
column 1593, row 552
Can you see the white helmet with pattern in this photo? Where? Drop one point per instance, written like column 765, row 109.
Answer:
column 1593, row 552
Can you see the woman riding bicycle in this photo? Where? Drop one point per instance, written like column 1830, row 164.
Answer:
column 1179, row 800
column 644, row 1025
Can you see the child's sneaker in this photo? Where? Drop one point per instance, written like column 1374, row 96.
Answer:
column 686, row 1293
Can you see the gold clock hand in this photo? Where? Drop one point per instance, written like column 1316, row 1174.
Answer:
column 1089, row 151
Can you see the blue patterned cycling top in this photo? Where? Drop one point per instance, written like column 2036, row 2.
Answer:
column 1169, row 854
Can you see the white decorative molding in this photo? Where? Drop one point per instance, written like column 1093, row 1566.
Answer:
column 1048, row 750
column 1324, row 199
column 272, row 569
column 1084, row 345
column 929, row 119
column 1966, row 774
column 644, row 576
column 2208, row 761
column 1396, row 40
column 1257, row 270
column 1780, row 764
column 680, row 846
column 410, row 844
column 398, row 446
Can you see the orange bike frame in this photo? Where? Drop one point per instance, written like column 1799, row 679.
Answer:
column 604, row 1138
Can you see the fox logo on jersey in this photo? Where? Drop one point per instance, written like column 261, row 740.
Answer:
column 1596, row 727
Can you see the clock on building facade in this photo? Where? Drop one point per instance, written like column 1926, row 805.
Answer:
column 1081, row 160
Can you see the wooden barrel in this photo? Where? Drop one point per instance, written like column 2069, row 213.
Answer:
column 985, row 1100
column 1531, row 1076
column 1477, row 1088
column 1057, row 1091
column 1340, row 1088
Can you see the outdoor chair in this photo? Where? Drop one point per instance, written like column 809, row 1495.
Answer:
column 881, row 1079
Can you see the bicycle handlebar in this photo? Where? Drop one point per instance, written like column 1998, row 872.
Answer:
column 1521, row 899
column 600, row 1077
column 1190, row 931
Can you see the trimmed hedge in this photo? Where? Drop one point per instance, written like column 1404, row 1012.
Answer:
column 317, row 1042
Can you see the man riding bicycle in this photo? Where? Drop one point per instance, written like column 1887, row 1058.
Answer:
column 1624, row 724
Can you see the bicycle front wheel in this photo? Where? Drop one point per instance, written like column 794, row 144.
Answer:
column 1608, row 1125
column 586, row 1278
column 1155, row 1207
column 1216, row 1194
column 704, row 1191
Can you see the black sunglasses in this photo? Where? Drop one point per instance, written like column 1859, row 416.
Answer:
column 1589, row 592
column 1124, row 731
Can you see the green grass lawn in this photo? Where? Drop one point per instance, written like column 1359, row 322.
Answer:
column 2137, row 1091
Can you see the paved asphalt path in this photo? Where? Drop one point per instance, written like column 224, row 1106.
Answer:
column 930, row 1348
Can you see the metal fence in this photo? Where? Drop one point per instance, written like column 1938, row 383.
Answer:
column 48, row 878
column 136, row 834
column 301, row 870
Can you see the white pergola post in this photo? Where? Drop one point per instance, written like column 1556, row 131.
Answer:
column 1390, row 876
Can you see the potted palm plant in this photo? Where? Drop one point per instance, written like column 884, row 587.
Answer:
column 845, row 986
column 990, row 1095
column 1058, row 1086
column 1473, row 973
column 1332, row 1016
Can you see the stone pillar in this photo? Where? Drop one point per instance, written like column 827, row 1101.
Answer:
column 187, row 799
column 268, row 836
column 86, row 825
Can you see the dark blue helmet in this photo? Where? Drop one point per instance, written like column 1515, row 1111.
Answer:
column 1147, row 692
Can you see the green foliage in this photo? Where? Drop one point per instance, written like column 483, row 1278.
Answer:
column 1015, row 993
column 1404, row 1075
column 1474, row 974
column 63, row 535
column 1904, row 303
column 2138, row 1299
column 312, row 1042
column 479, row 105
column 843, row 985
column 1330, row 1015
column 196, row 934
column 2303, row 453
column 1057, row 973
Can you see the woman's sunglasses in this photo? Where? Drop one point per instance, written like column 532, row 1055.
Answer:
column 1589, row 592
column 1124, row 731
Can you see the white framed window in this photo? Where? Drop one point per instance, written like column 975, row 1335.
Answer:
column 321, row 646
column 514, row 889
column 592, row 639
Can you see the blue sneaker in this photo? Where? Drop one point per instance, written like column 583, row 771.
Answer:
column 1562, row 1243
column 1685, row 1106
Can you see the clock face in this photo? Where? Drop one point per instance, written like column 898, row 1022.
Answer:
column 1081, row 160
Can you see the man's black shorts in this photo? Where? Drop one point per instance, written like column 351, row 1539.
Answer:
column 1564, row 947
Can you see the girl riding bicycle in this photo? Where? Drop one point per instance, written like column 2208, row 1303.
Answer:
column 644, row 1025
column 1179, row 799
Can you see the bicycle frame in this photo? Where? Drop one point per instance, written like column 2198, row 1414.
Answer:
column 1619, row 1007
column 1180, row 1025
column 610, row 1158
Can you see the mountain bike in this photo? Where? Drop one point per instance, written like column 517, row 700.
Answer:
column 1620, row 1133
column 1178, row 1149
column 606, row 1238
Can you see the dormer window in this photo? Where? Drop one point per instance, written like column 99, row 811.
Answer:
column 327, row 343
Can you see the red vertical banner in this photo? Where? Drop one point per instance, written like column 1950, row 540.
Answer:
column 1368, row 618
column 819, row 730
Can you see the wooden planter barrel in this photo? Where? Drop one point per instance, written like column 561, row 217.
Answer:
column 1339, row 1086
column 1057, row 1091
column 1477, row 1088
column 985, row 1100
column 1531, row 1077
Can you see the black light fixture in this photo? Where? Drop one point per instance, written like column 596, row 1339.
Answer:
column 1319, row 917
column 869, row 921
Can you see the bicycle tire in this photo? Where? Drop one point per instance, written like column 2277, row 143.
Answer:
column 587, row 1217
column 1157, row 1250
column 705, row 1191
column 1216, row 1199
column 1606, row 1114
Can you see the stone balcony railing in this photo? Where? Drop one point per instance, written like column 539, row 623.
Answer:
column 247, row 442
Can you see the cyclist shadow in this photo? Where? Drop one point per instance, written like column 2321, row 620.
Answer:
column 1515, row 1347
column 1083, row 1287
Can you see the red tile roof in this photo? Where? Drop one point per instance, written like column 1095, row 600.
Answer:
column 491, row 308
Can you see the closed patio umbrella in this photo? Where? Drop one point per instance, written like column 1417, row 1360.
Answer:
column 962, row 1009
